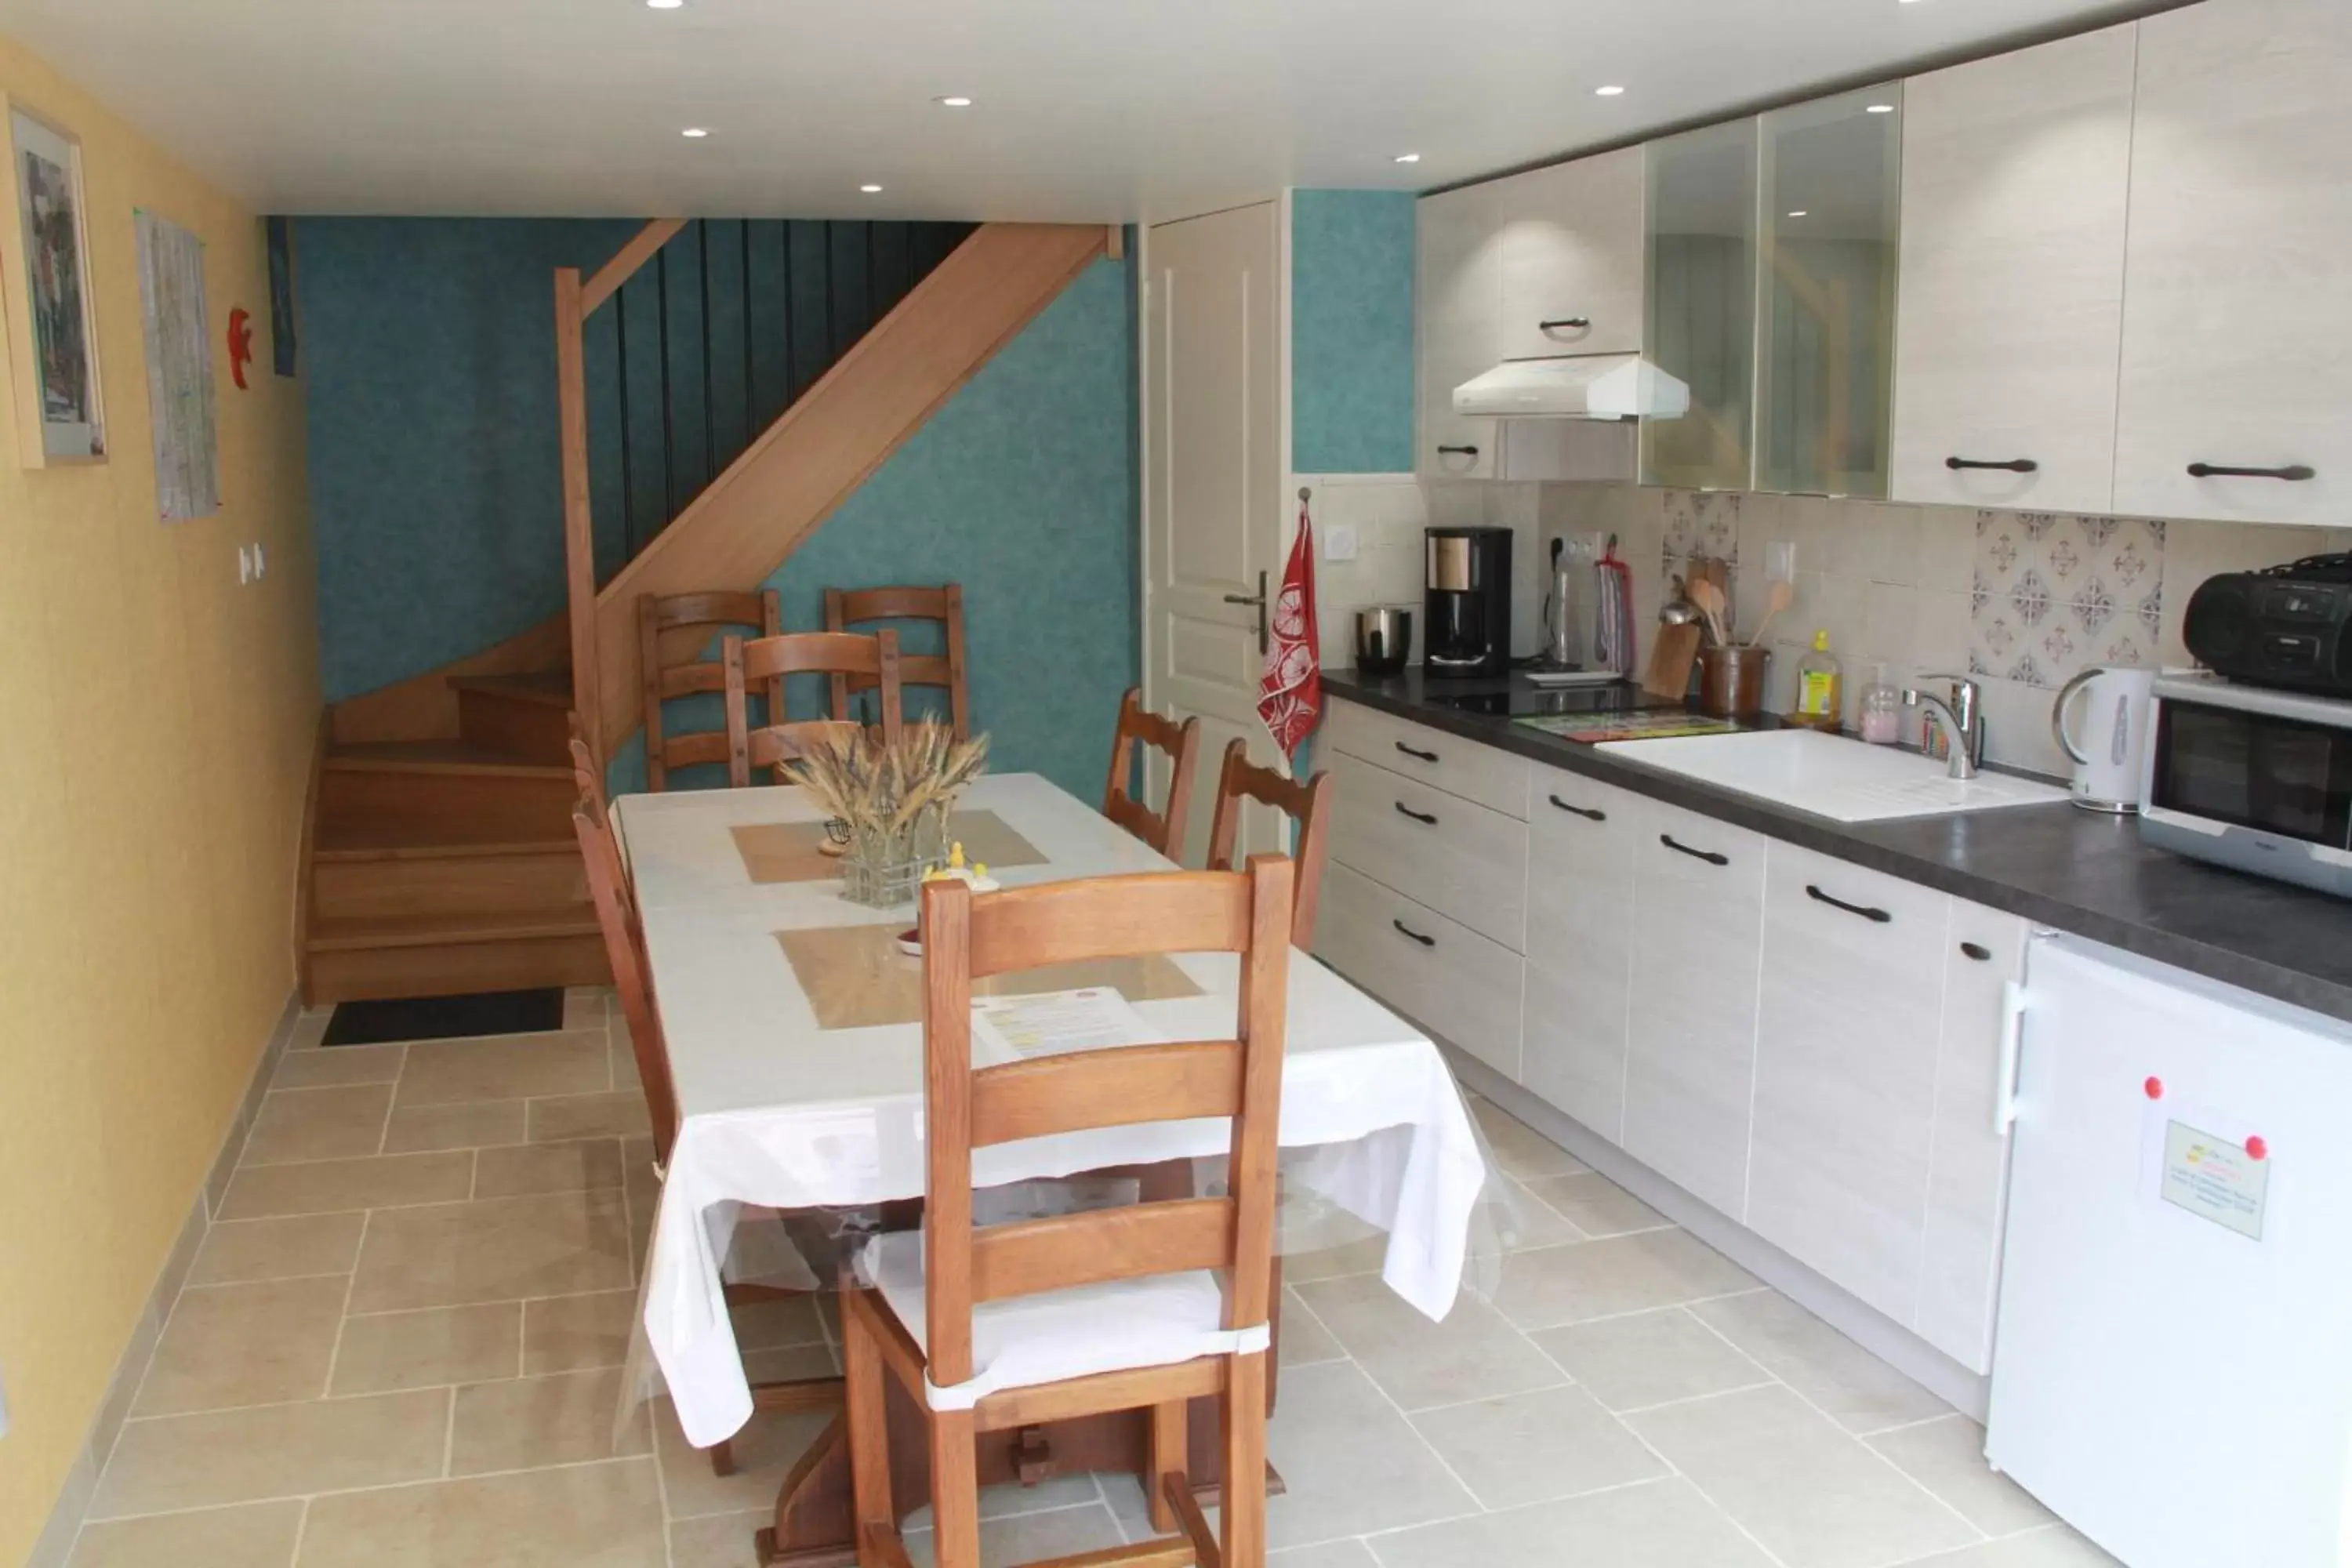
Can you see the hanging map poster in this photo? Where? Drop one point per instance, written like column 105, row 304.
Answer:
column 179, row 368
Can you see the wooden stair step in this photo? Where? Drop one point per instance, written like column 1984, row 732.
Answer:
column 353, row 935
column 552, row 690
column 519, row 715
column 426, row 880
column 462, row 758
column 395, row 842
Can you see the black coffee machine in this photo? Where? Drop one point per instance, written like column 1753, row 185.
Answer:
column 1469, row 601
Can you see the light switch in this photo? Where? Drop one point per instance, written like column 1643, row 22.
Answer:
column 261, row 562
column 4, row 1412
column 244, row 565
column 1339, row 542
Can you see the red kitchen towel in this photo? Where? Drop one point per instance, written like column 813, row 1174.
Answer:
column 1290, row 692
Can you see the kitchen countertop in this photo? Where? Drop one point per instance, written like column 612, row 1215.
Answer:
column 2058, row 865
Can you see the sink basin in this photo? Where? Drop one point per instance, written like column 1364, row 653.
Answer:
column 1832, row 776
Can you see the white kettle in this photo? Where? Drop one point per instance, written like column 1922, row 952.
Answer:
column 2107, row 747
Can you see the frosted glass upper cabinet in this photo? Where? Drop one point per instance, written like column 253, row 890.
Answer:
column 2016, row 175
column 1571, row 258
column 2237, row 343
column 1458, row 324
column 1825, row 334
column 1701, row 303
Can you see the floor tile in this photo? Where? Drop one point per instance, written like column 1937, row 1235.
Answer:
column 245, row 1249
column 764, row 1449
column 1004, row 1501
column 1946, row 1456
column 582, row 1516
column 344, row 1064
column 625, row 1071
column 1805, row 1488
column 571, row 1333
column 720, row 1539
column 1648, row 1358
column 340, row 1123
column 1861, row 1391
column 1029, row 1537
column 619, row 1114
column 252, row 1535
column 771, row 1324
column 1331, row 1554
column 528, row 1168
column 446, row 1072
column 415, row 1128
column 1353, row 1464
column 1521, row 1219
column 329, row 1186
column 1366, row 1255
column 232, row 1345
column 585, row 1006
column 528, row 1423
column 1473, row 1354
column 1519, row 1148
column 1595, row 1205
column 1304, row 1341
column 1634, row 1273
column 431, row 1348
column 1534, row 1448
column 1660, row 1524
column 495, row 1249
column 790, row 1363
column 2055, row 1547
column 273, row 1451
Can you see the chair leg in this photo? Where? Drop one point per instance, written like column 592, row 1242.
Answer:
column 1169, row 1453
column 955, row 1489
column 869, row 1428
column 1243, row 1509
column 723, row 1458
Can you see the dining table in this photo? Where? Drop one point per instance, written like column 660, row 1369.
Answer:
column 792, row 1022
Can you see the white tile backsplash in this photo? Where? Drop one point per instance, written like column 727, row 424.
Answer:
column 1389, row 512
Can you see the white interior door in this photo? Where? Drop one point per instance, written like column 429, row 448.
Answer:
column 1213, row 516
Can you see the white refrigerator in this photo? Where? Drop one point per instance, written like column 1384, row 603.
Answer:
column 2173, row 1366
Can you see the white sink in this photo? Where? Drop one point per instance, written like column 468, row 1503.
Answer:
column 1832, row 776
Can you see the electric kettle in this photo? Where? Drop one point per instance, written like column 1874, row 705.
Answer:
column 2107, row 747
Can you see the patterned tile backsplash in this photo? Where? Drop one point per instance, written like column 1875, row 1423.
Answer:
column 2052, row 596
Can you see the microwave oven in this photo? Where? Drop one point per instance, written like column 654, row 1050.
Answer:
column 2250, row 778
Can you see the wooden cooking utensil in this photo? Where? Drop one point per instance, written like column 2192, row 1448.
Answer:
column 1711, row 603
column 1671, row 658
column 1777, row 598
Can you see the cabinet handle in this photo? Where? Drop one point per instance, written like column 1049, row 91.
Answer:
column 1425, row 940
column 1416, row 815
column 1579, row 322
column 1584, row 811
column 1457, row 451
column 1977, row 951
column 1709, row 856
column 2294, row 473
column 1814, row 893
column 1410, row 751
column 2013, row 464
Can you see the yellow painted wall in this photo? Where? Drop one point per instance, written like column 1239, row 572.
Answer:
column 156, row 720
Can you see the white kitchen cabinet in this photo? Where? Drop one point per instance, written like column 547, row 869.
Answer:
column 1847, row 1052
column 1699, row 302
column 1468, row 863
column 1959, row 1263
column 2016, row 182
column 1458, row 325
column 1462, row 987
column 1494, row 778
column 1572, row 258
column 2237, row 338
column 1583, row 844
column 1698, row 936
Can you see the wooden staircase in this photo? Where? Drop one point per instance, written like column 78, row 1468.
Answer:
column 442, row 866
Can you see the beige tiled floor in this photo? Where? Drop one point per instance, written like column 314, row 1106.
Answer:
column 402, row 1346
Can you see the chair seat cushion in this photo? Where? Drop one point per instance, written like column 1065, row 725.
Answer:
column 1156, row 1321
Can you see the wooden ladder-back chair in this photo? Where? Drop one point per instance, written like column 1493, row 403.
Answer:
column 706, row 613
column 1308, row 805
column 848, row 607
column 1146, row 1307
column 1164, row 830
column 769, row 660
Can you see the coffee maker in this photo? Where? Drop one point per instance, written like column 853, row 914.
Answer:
column 1468, row 610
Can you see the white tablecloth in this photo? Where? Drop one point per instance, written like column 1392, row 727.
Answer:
column 781, row 1113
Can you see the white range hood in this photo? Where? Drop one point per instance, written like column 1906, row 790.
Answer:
column 1590, row 386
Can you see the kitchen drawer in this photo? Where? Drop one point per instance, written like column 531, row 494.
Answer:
column 1495, row 779
column 1845, row 1071
column 1583, row 840
column 1452, row 982
column 1459, row 858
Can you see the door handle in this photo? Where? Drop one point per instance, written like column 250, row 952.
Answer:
column 1577, row 324
column 2012, row 1030
column 1416, row 751
column 1457, row 451
column 1588, row 813
column 2294, row 473
column 1425, row 940
column 1258, row 599
column 2012, row 465
column 1814, row 893
column 1709, row 856
column 1421, row 816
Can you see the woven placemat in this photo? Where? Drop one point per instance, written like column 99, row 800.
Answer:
column 855, row 977
column 788, row 852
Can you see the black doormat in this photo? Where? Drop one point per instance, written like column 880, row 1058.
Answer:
column 445, row 1017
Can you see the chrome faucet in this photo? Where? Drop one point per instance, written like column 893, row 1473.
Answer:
column 1963, row 724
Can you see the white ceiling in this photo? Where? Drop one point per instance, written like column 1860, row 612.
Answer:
column 1088, row 109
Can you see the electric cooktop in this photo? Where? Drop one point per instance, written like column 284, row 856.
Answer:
column 1523, row 700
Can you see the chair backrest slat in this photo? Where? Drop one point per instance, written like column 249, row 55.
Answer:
column 771, row 658
column 1031, row 1256
column 1307, row 805
column 1112, row 917
column 1046, row 1095
column 662, row 677
column 617, row 919
column 1163, row 829
column 848, row 607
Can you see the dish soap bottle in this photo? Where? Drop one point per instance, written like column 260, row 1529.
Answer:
column 1881, row 710
column 1820, row 696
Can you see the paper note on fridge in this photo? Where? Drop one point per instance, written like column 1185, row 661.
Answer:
column 2214, row 1179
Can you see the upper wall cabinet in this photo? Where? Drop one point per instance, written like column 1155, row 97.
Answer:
column 1831, row 174
column 1571, row 258
column 2237, row 340
column 1700, row 215
column 1458, row 325
column 2016, row 175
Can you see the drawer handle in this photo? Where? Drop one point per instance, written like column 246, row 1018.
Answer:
column 1457, row 451
column 1410, row 751
column 1577, row 322
column 1425, row 940
column 1709, row 856
column 1416, row 815
column 1584, row 811
column 1977, row 951
column 2011, row 466
column 1814, row 893
column 2294, row 473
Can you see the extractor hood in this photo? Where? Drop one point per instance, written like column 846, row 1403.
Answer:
column 1587, row 386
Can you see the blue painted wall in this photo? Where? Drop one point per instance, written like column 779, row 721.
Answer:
column 1351, row 257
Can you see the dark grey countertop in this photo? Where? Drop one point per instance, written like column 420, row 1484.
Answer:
column 2073, row 869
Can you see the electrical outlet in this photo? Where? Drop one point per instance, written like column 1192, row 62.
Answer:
column 260, row 563
column 244, row 566
column 1339, row 542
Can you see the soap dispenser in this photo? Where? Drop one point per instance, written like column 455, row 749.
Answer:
column 1821, row 686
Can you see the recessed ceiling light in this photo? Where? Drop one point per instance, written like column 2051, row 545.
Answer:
column 1798, row 212
column 953, row 100
column 1408, row 158
column 697, row 131
column 1882, row 108
column 1610, row 91
column 665, row 5
column 871, row 190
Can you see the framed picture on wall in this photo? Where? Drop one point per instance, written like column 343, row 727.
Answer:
column 60, row 406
